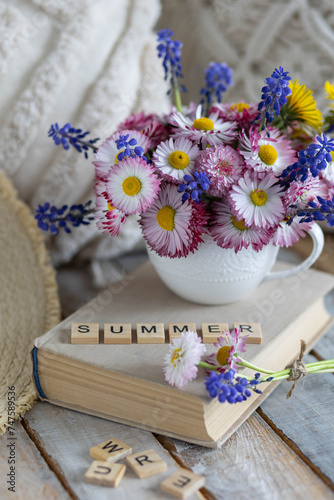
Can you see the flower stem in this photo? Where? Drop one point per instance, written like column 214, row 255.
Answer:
column 178, row 101
column 246, row 364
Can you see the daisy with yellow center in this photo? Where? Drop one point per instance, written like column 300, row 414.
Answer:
column 175, row 158
column 241, row 112
column 132, row 185
column 258, row 201
column 232, row 232
column 181, row 362
column 203, row 130
column 107, row 154
column 267, row 154
column 301, row 107
column 228, row 345
column 109, row 220
column 172, row 228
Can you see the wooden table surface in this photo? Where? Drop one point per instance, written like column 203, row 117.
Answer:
column 285, row 450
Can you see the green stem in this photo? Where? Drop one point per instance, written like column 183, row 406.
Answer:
column 244, row 363
column 178, row 101
column 207, row 366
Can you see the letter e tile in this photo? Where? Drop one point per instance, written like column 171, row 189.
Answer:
column 182, row 484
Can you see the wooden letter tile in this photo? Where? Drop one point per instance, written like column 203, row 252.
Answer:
column 175, row 329
column 182, row 484
column 117, row 333
column 85, row 333
column 105, row 474
column 211, row 331
column 253, row 330
column 150, row 333
column 111, row 450
column 146, row 463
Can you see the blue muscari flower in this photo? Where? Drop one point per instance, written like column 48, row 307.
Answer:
column 194, row 186
column 227, row 388
column 170, row 52
column 218, row 77
column 67, row 136
column 321, row 211
column 274, row 95
column 130, row 148
column 50, row 218
column 313, row 159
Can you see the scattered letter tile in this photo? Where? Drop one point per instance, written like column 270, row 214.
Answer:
column 117, row 333
column 210, row 331
column 175, row 329
column 111, row 450
column 146, row 463
column 85, row 333
column 253, row 330
column 150, row 333
column 105, row 474
column 183, row 483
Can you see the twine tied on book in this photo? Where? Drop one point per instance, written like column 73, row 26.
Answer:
column 297, row 369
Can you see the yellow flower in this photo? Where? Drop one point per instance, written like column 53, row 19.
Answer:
column 302, row 107
column 329, row 88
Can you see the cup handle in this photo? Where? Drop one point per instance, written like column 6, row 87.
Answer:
column 318, row 244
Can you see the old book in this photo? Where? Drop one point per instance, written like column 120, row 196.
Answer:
column 125, row 383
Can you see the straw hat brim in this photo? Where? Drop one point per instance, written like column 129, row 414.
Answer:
column 29, row 304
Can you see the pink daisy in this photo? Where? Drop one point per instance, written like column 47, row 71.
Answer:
column 300, row 193
column 109, row 220
column 132, row 185
column 172, row 228
column 106, row 155
column 287, row 235
column 239, row 112
column 184, row 355
column 136, row 121
column 229, row 345
column 229, row 232
column 267, row 154
column 258, row 201
column 224, row 166
column 202, row 130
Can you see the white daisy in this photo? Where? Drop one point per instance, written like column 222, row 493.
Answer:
column 258, row 201
column 175, row 158
column 183, row 358
column 107, row 154
column 267, row 154
column 212, row 130
column 132, row 185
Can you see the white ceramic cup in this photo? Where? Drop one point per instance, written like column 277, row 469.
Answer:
column 214, row 275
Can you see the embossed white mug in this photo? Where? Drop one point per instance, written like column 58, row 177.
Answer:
column 216, row 276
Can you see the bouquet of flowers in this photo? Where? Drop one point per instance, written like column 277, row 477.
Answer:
column 245, row 173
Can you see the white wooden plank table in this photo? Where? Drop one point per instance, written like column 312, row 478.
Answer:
column 284, row 450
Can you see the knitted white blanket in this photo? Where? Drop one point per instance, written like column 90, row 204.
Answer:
column 90, row 63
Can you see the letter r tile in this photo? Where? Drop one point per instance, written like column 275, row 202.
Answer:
column 146, row 463
column 253, row 330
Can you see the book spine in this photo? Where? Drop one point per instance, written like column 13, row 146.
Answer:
column 35, row 373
